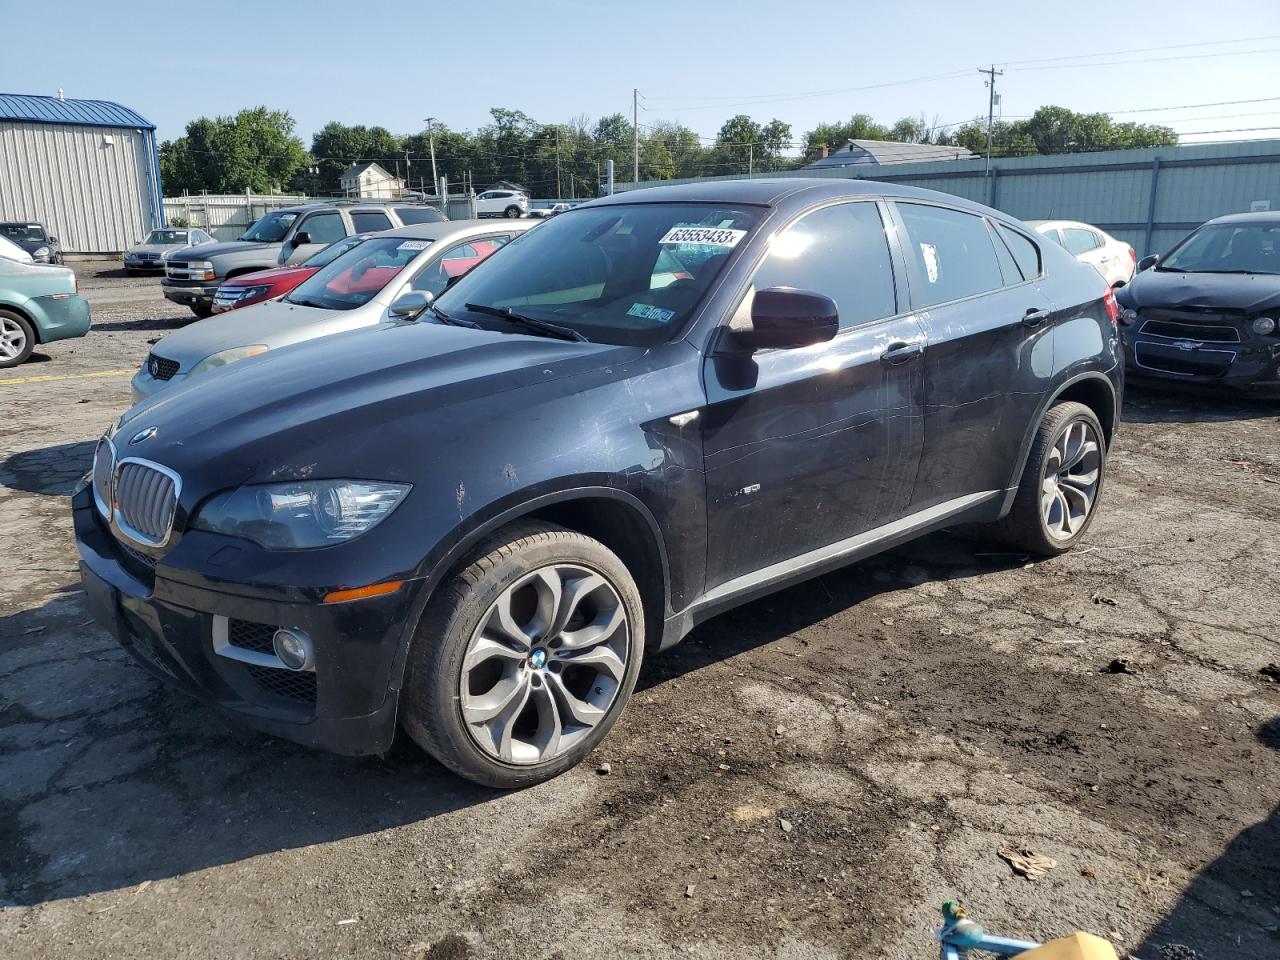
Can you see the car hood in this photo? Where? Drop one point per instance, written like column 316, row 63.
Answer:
column 310, row 410
column 1248, row 293
column 271, row 276
column 276, row 323
column 208, row 250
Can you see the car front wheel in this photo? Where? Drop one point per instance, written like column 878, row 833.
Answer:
column 526, row 658
column 1061, row 483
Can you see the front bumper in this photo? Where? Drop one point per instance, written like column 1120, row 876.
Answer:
column 133, row 263
column 144, row 386
column 169, row 619
column 1250, row 366
column 188, row 293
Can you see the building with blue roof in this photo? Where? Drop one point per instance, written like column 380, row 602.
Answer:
column 88, row 170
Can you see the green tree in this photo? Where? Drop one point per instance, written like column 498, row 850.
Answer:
column 254, row 150
column 833, row 136
column 337, row 146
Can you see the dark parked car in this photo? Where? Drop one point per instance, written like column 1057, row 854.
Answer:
column 477, row 520
column 33, row 238
column 1207, row 311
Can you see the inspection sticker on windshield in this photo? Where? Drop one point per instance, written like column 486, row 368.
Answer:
column 414, row 245
column 706, row 236
column 647, row 311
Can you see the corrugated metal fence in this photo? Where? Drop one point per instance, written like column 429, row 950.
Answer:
column 1149, row 198
column 227, row 216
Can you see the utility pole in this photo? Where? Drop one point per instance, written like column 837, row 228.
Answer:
column 751, row 157
column 559, row 188
column 991, row 73
column 431, row 138
column 635, row 133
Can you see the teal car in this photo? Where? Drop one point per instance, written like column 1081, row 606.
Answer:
column 39, row 302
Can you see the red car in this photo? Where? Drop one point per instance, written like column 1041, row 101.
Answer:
column 251, row 288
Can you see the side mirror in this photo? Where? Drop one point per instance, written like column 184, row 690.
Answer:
column 784, row 317
column 411, row 304
column 1149, row 261
column 301, row 237
column 53, row 239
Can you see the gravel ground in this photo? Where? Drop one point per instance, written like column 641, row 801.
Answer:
column 807, row 777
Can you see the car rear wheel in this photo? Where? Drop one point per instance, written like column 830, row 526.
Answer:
column 512, row 212
column 17, row 339
column 526, row 658
column 1061, row 483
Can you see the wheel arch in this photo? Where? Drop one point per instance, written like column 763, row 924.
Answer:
column 25, row 315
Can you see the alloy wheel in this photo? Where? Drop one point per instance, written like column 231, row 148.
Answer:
column 1071, row 476
column 545, row 665
column 13, row 339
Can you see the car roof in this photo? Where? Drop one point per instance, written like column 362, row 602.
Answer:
column 1261, row 216
column 450, row 229
column 772, row 191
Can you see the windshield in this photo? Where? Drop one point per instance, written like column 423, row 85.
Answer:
column 271, row 228
column 358, row 275
column 167, row 236
column 1228, row 248
column 624, row 274
column 334, row 251
column 21, row 232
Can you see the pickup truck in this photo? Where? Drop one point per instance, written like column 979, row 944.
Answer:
column 281, row 237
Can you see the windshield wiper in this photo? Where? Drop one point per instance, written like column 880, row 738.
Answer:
column 452, row 320
column 533, row 323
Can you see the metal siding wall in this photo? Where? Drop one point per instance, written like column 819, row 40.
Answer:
column 94, row 198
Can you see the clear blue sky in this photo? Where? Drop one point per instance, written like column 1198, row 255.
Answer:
column 393, row 64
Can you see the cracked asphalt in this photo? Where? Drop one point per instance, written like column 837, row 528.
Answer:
column 806, row 777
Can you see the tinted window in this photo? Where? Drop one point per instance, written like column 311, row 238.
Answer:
column 1008, row 267
column 1024, row 251
column 367, row 221
column 412, row 215
column 1080, row 241
column 951, row 251
column 271, row 228
column 324, row 227
column 1228, row 248
column 840, row 252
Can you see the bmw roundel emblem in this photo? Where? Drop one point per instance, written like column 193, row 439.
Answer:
column 141, row 435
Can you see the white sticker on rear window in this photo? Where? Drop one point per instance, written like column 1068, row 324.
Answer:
column 930, row 254
column 414, row 245
column 706, row 236
column 647, row 311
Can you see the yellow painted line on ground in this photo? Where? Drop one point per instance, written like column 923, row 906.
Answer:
column 46, row 378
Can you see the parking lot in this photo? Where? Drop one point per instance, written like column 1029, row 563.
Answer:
column 806, row 777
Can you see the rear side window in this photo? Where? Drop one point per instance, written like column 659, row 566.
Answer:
column 1080, row 241
column 411, row 215
column 952, row 254
column 1024, row 251
column 369, row 221
column 840, row 252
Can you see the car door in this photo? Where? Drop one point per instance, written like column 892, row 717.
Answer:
column 806, row 447
column 989, row 357
column 321, row 228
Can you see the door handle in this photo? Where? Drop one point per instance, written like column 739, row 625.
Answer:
column 1034, row 317
column 900, row 351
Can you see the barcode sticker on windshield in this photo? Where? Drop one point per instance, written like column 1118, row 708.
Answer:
column 705, row 236
column 414, row 245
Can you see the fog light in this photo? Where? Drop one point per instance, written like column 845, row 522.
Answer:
column 293, row 647
column 1264, row 325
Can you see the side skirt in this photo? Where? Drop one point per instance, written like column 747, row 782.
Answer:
column 971, row 508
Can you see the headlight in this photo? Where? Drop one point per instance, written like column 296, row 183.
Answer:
column 41, row 252
column 223, row 357
column 301, row 514
column 248, row 293
column 1264, row 325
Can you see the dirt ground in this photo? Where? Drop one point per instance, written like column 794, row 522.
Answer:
column 806, row 777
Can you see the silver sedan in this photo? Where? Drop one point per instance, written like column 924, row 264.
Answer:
column 352, row 291
column 151, row 252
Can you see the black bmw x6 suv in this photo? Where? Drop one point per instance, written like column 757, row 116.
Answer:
column 475, row 519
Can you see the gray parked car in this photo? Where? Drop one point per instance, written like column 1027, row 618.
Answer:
column 355, row 290
column 33, row 238
column 151, row 253
column 285, row 236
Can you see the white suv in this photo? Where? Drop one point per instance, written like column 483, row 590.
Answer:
column 502, row 203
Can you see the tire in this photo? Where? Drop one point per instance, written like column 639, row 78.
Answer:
column 1046, row 518
column 466, row 708
column 512, row 213
column 17, row 339
column 202, row 310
